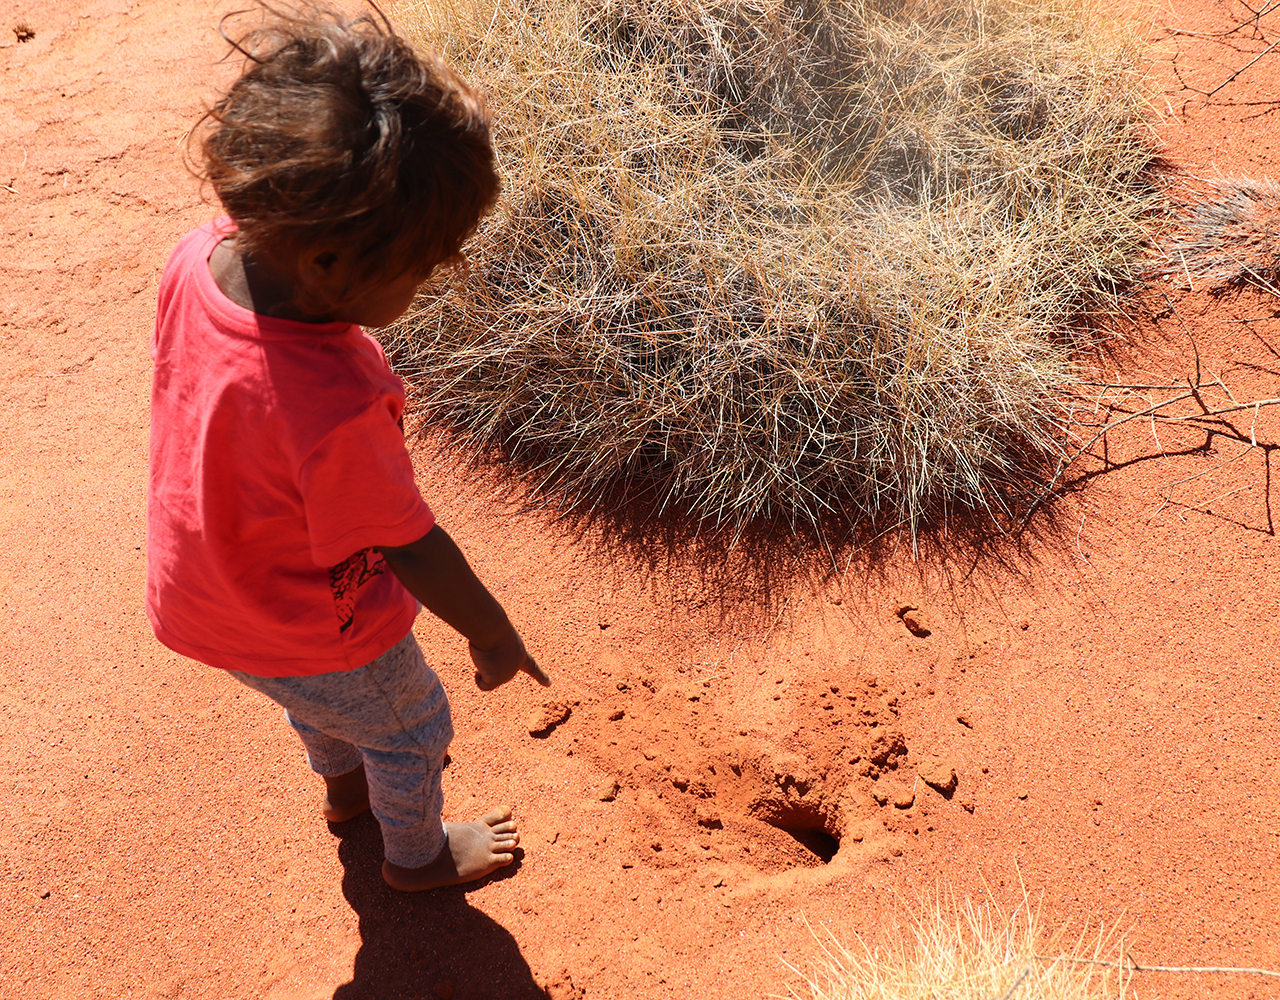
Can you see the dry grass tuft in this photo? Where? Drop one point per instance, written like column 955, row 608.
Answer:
column 1228, row 235
column 970, row 952
column 813, row 260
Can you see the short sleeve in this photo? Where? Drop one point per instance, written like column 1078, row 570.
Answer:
column 358, row 489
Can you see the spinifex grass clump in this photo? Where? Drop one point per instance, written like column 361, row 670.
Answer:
column 800, row 259
column 1227, row 235
column 966, row 951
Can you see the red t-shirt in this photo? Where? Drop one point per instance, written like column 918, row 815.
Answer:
column 277, row 463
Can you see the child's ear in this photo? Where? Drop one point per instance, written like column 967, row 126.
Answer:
column 319, row 266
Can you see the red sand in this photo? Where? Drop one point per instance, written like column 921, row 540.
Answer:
column 1116, row 666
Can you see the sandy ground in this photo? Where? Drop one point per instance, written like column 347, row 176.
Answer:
column 1104, row 684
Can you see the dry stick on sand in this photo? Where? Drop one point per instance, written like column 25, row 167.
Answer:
column 1209, row 419
column 1255, row 20
column 1206, row 94
column 1207, row 415
column 1129, row 965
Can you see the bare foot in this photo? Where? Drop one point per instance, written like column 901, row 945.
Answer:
column 346, row 796
column 472, row 851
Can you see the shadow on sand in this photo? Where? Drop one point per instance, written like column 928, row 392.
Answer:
column 414, row 943
column 747, row 572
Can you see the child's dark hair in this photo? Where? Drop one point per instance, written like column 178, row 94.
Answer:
column 338, row 131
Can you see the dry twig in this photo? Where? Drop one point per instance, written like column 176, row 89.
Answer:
column 1129, row 965
column 1208, row 418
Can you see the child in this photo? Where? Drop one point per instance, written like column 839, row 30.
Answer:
column 286, row 540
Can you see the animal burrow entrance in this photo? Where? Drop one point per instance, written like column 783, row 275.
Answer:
column 792, row 796
column 810, row 826
column 804, row 806
column 820, row 842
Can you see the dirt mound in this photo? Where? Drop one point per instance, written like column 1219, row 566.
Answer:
column 720, row 780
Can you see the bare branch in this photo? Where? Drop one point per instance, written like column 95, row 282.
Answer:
column 1129, row 965
column 1210, row 419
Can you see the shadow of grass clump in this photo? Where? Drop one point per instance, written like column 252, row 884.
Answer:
column 806, row 262
column 749, row 573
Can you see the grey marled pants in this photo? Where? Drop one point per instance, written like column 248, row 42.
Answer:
column 393, row 714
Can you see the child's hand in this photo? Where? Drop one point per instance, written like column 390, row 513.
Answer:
column 434, row 570
column 499, row 663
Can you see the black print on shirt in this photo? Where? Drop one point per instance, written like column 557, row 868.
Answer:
column 349, row 576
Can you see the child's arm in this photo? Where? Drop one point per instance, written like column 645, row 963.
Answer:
column 434, row 570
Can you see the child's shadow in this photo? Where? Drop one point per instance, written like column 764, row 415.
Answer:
column 412, row 944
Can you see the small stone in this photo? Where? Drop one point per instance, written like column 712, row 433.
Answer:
column 881, row 795
column 444, row 990
column 708, row 816
column 964, row 720
column 44, row 894
column 1022, row 794
column 616, row 715
column 608, row 791
column 904, row 798
column 968, row 805
column 543, row 720
column 717, row 882
column 550, row 836
column 904, row 603
column 939, row 774
column 917, row 623
column 885, row 746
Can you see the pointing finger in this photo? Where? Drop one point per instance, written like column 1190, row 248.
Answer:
column 536, row 672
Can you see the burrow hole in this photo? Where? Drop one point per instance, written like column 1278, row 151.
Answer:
column 812, row 829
